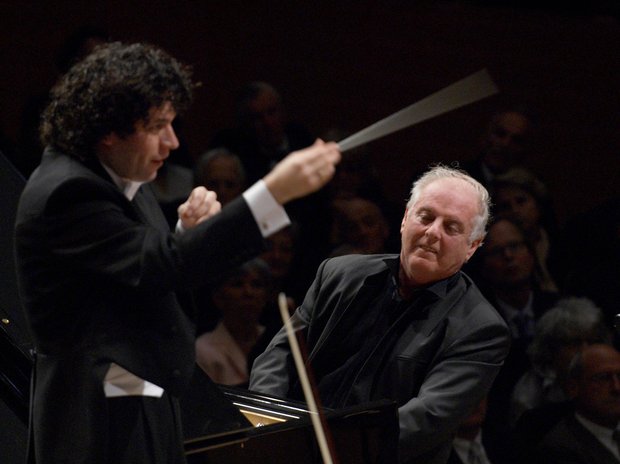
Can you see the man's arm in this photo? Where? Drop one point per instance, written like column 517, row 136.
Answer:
column 274, row 369
column 460, row 377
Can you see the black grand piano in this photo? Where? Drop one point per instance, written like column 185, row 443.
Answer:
column 222, row 425
column 249, row 427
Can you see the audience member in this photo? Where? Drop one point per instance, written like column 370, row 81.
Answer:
column 357, row 177
column 263, row 135
column 226, row 352
column 468, row 444
column 222, row 172
column 590, row 435
column 408, row 327
column 540, row 398
column 520, row 195
column 506, row 266
column 503, row 145
column 358, row 226
column 281, row 255
column 560, row 333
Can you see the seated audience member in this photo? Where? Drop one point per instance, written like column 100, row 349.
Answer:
column 226, row 352
column 222, row 172
column 503, row 145
column 520, row 195
column 590, row 435
column 264, row 134
column 357, row 177
column 410, row 327
column 560, row 333
column 506, row 266
column 358, row 226
column 468, row 446
column 281, row 256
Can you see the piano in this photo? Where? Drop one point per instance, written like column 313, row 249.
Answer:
column 242, row 426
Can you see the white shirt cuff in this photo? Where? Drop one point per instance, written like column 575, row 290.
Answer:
column 268, row 213
column 121, row 382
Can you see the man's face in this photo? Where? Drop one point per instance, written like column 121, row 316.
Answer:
column 519, row 204
column 138, row 156
column 224, row 179
column 266, row 119
column 507, row 261
column 363, row 225
column 435, row 232
column 597, row 392
column 505, row 141
column 244, row 296
column 280, row 254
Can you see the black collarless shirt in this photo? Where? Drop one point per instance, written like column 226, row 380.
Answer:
column 349, row 376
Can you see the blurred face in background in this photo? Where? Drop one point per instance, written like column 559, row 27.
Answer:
column 507, row 261
column 361, row 224
column 243, row 295
column 223, row 177
column 265, row 116
column 518, row 203
column 280, row 253
column 597, row 390
column 505, row 141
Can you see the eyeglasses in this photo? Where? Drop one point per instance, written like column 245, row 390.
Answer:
column 511, row 247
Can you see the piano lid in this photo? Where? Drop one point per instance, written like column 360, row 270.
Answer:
column 276, row 431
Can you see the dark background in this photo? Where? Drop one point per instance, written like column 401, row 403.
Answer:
column 348, row 64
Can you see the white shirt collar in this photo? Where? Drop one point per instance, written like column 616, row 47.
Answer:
column 128, row 187
column 603, row 434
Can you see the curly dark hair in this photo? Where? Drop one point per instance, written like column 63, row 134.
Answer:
column 109, row 92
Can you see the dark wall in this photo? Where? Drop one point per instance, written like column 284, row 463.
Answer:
column 348, row 64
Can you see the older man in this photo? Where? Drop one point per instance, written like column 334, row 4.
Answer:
column 412, row 328
column 590, row 435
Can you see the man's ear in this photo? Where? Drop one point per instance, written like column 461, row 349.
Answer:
column 402, row 224
column 472, row 248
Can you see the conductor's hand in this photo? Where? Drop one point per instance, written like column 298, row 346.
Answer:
column 303, row 171
column 200, row 206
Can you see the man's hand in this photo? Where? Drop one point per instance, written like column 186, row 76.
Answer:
column 303, row 171
column 200, row 206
